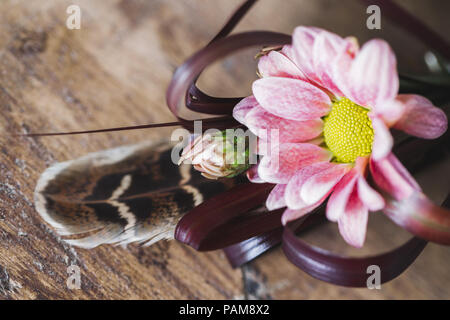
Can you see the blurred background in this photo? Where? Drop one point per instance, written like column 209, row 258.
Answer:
column 114, row 72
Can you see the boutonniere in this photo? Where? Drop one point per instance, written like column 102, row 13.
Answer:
column 331, row 131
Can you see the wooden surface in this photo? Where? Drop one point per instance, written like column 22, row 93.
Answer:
column 114, row 72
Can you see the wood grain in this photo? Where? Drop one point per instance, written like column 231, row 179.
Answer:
column 114, row 72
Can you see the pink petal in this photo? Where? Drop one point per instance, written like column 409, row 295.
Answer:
column 291, row 98
column 312, row 183
column 317, row 141
column 268, row 147
column 252, row 175
column 361, row 164
column 292, row 195
column 288, row 51
column 303, row 39
column 421, row 118
column 327, row 47
column 341, row 193
column 261, row 123
column 264, row 147
column 276, row 64
column 340, row 70
column 353, row 222
column 286, row 159
column 383, row 141
column 373, row 77
column 390, row 112
column 390, row 175
column 369, row 197
column 322, row 183
column 291, row 214
column 243, row 108
column 275, row 200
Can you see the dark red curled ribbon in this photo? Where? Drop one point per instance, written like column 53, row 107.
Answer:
column 191, row 69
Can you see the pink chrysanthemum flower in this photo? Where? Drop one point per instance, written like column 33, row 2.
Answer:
column 333, row 104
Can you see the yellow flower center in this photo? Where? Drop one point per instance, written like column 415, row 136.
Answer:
column 348, row 131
